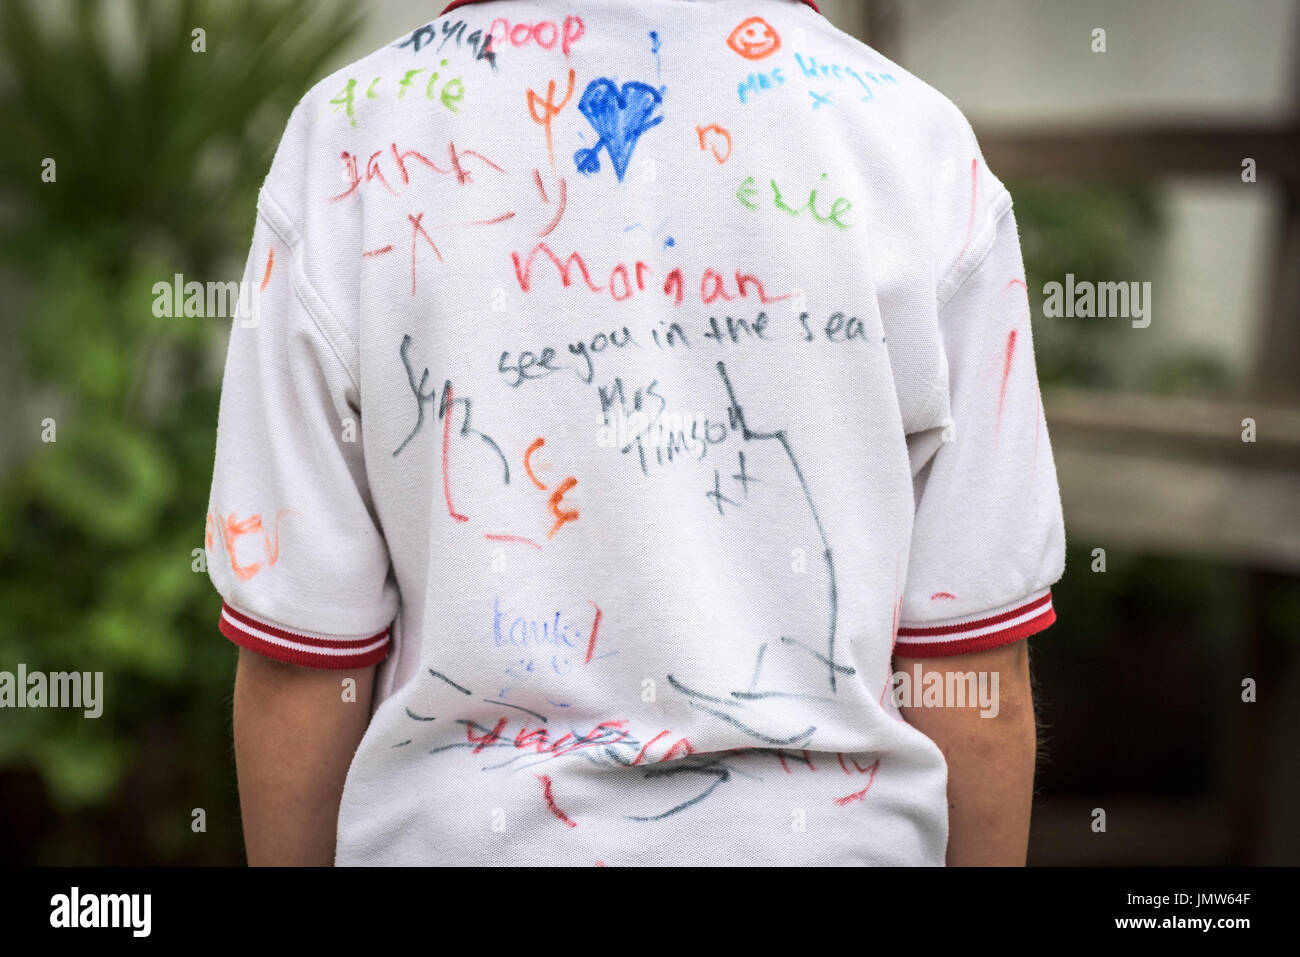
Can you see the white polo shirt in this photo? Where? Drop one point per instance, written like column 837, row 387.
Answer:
column 630, row 379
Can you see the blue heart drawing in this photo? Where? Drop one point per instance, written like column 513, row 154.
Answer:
column 620, row 117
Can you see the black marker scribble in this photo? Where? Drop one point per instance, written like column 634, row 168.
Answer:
column 760, row 695
column 758, row 666
column 539, row 717
column 766, row 739
column 718, row 771
column 737, row 414
column 837, row 668
column 692, row 693
column 423, row 398
column 460, row 688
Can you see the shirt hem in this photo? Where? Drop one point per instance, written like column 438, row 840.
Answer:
column 295, row 647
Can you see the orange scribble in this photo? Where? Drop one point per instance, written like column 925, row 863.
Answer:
column 754, row 39
column 550, row 109
column 270, row 261
column 233, row 529
column 720, row 131
column 528, row 464
column 562, row 517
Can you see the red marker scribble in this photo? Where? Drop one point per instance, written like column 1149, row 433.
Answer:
column 893, row 635
column 641, row 755
column 562, row 517
column 549, row 798
column 477, row 222
column 446, row 455
column 595, row 626
column 538, row 739
column 1019, row 282
column 1038, row 415
column 270, row 261
column 354, row 177
column 416, row 231
column 537, row 444
column 808, row 757
column 488, row 738
column 970, row 223
column 781, row 757
column 514, row 538
column 601, row 864
column 681, row 745
column 559, row 211
column 377, row 252
column 945, row 595
column 859, row 795
column 1006, row 374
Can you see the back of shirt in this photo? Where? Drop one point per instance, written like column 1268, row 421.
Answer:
column 632, row 378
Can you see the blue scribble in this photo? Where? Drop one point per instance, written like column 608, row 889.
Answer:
column 654, row 48
column 669, row 242
column 620, row 116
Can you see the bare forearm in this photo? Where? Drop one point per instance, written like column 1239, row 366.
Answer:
column 295, row 735
column 990, row 759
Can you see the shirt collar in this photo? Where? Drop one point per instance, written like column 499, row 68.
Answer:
column 461, row 3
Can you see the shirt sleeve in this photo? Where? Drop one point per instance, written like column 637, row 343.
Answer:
column 293, row 543
column 988, row 538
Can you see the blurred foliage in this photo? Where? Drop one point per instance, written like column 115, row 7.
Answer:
column 1100, row 233
column 160, row 150
column 1174, row 622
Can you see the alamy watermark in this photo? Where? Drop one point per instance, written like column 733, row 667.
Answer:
column 208, row 300
column 671, row 430
column 58, row 689
column 128, row 911
column 1100, row 300
column 946, row 689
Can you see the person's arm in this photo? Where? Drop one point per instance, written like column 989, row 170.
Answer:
column 295, row 735
column 990, row 759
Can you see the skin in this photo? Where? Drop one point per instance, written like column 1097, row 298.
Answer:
column 295, row 737
column 990, row 760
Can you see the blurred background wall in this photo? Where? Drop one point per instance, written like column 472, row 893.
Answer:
column 1183, row 578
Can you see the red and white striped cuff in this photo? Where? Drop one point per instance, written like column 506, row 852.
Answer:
column 301, row 647
column 980, row 632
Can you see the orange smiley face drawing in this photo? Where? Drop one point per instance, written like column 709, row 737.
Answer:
column 754, row 39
